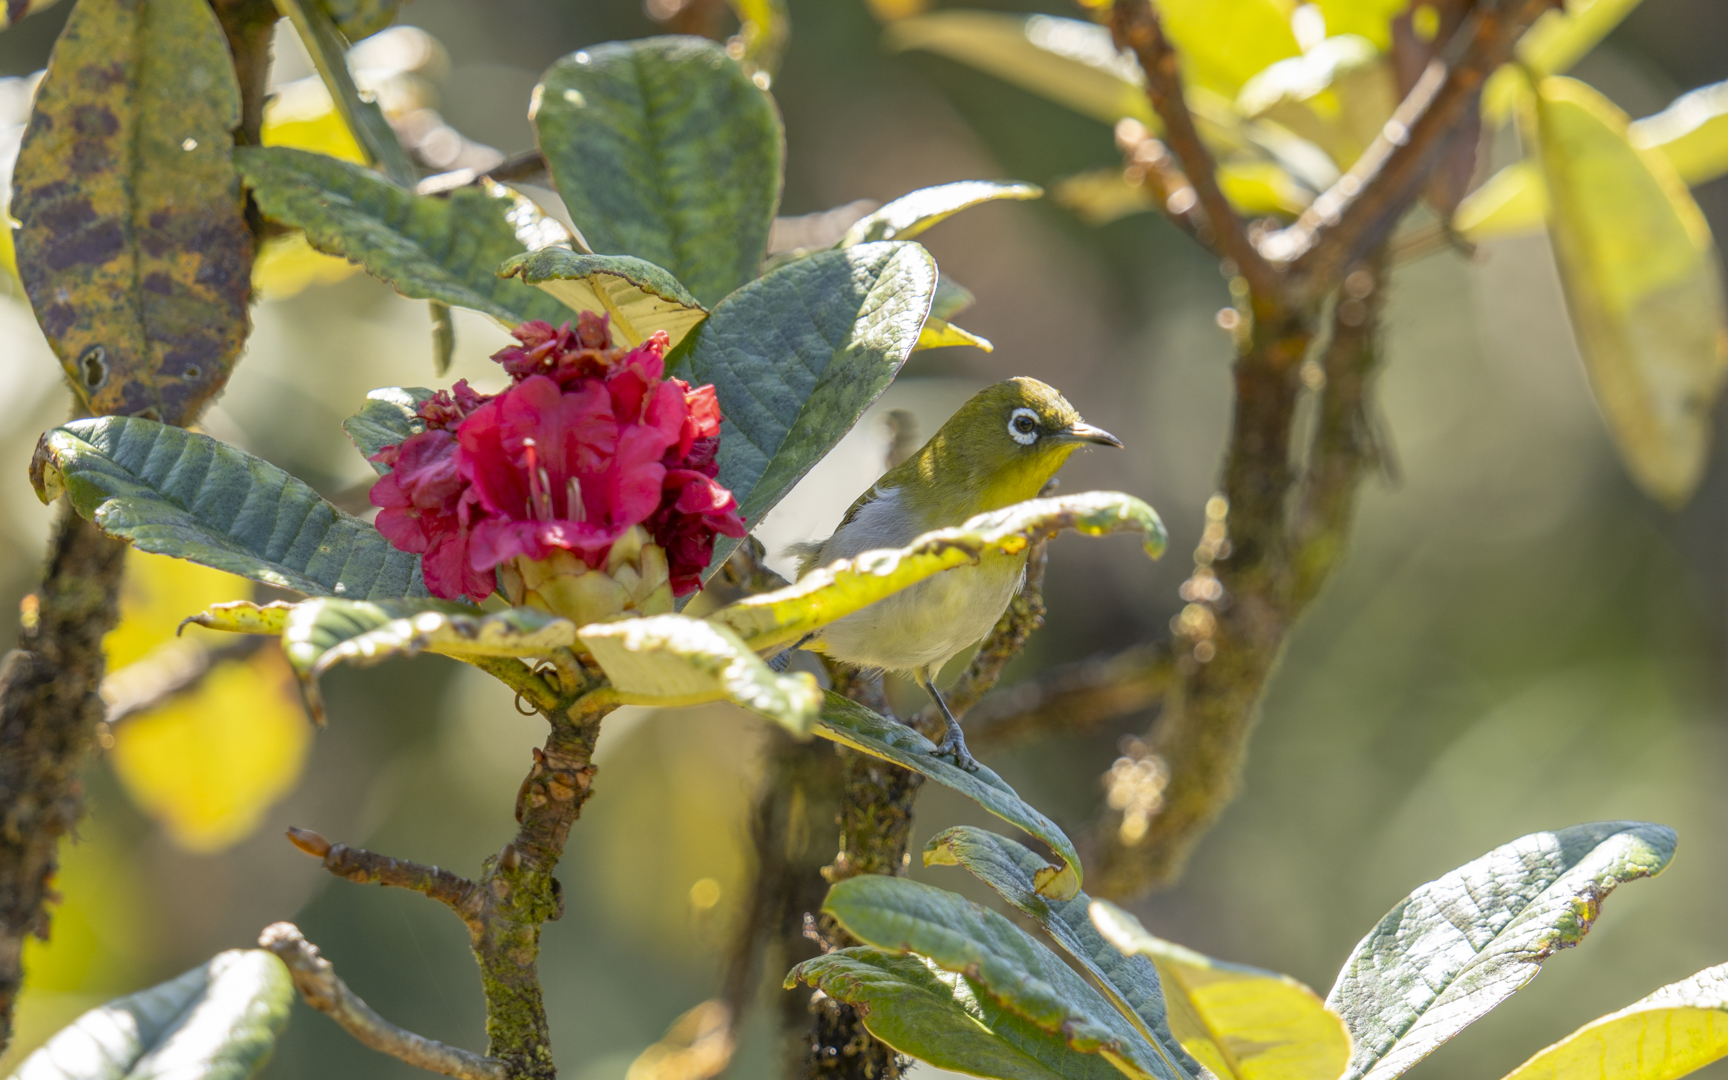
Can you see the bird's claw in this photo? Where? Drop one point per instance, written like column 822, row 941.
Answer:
column 954, row 746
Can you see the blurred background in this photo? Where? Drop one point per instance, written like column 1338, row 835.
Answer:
column 1518, row 639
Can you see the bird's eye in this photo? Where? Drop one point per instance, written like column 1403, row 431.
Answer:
column 1023, row 426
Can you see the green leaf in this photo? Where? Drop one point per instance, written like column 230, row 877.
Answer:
column 950, row 299
column 639, row 296
column 1460, row 945
column 389, row 417
column 1072, row 63
column 1642, row 285
column 1240, row 1022
column 1129, row 981
column 909, row 215
column 1371, row 19
column 218, row 1021
column 671, row 660
column 172, row 492
column 1223, row 45
column 1677, row 1030
column 798, row 355
column 851, row 724
column 945, row 1019
column 329, row 53
column 445, row 249
column 1692, row 134
column 1512, row 202
column 664, row 149
column 897, row 915
column 832, row 592
column 133, row 245
column 1560, row 39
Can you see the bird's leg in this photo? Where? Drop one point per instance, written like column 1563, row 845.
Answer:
column 953, row 740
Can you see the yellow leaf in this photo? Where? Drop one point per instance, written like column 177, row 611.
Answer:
column 208, row 764
column 159, row 592
column 286, row 265
column 1338, row 96
column 1224, row 43
column 1240, row 1022
column 940, row 334
column 1692, row 134
column 1371, row 19
column 1678, row 1029
column 1512, row 202
column 301, row 115
column 1642, row 286
column 1560, row 39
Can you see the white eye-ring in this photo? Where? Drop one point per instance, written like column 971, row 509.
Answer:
column 1023, row 426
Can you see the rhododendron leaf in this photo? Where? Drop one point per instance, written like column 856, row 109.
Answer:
column 1643, row 287
column 1560, row 38
column 1692, row 133
column 220, row 1020
column 1006, row 963
column 1130, row 982
column 779, row 618
column 798, row 355
column 1678, row 1029
column 639, row 296
column 133, row 245
column 389, row 417
column 951, row 298
column 942, row 335
column 427, row 248
column 1460, row 945
column 319, row 634
column 173, row 492
column 910, row 215
column 244, row 617
column 1242, row 1023
column 851, row 724
column 945, row 1019
column 663, row 148
column 674, row 660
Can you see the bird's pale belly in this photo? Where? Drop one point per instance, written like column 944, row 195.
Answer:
column 928, row 623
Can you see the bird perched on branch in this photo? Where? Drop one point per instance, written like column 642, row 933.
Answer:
column 1000, row 448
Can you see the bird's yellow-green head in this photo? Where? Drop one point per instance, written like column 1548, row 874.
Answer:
column 1000, row 448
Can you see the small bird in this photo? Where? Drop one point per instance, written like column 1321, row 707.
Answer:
column 1000, row 448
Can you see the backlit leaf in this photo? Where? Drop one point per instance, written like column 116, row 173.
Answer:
column 797, row 356
column 1677, row 1030
column 318, row 32
column 1240, row 1022
column 945, row 1019
column 445, row 249
column 133, row 248
column 1460, row 945
column 173, row 492
column 209, row 763
column 663, row 148
column 938, row 334
column 1337, row 95
column 1642, row 285
column 388, row 418
column 832, row 592
column 1560, row 39
column 1512, row 202
column 1224, row 43
column 897, row 915
column 1692, row 134
column 673, row 660
column 218, row 1021
column 1371, row 19
column 851, row 724
column 244, row 617
column 1127, row 979
column 1068, row 61
column 639, row 296
column 909, row 215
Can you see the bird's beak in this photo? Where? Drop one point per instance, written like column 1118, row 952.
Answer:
column 1086, row 433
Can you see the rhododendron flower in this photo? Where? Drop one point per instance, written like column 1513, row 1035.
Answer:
column 587, row 488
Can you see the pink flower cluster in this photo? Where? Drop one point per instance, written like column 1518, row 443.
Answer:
column 587, row 442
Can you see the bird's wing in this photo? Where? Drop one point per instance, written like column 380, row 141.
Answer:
column 815, row 553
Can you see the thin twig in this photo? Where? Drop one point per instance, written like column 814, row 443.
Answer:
column 322, row 989
column 1073, row 699
column 176, row 669
column 369, row 868
column 1136, row 27
column 1359, row 211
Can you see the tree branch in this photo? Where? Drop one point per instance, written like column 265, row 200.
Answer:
column 1136, row 27
column 368, row 868
column 167, row 673
column 1358, row 212
column 319, row 984
column 1073, row 698
column 49, row 709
